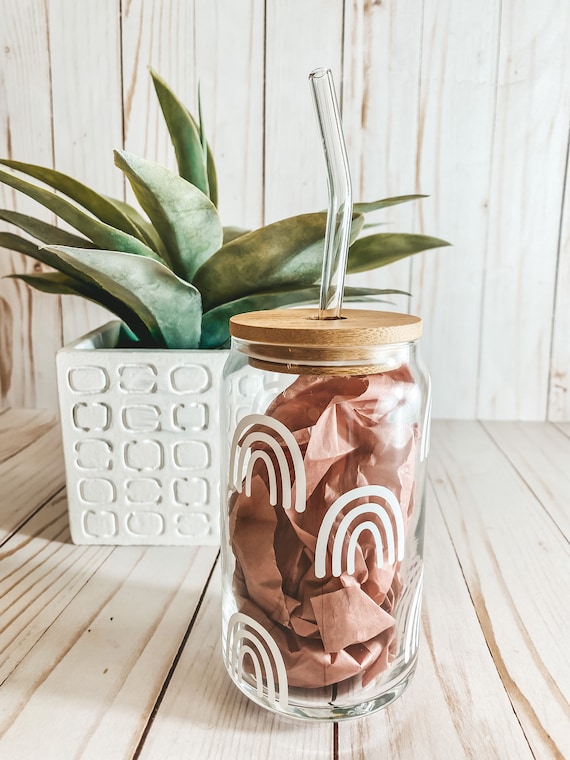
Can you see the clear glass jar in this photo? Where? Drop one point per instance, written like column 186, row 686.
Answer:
column 323, row 514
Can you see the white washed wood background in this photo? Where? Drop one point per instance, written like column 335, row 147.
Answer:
column 467, row 102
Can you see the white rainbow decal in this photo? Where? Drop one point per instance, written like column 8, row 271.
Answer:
column 264, row 654
column 394, row 543
column 424, row 447
column 241, row 471
column 410, row 613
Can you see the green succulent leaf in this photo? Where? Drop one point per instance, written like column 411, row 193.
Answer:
column 215, row 323
column 212, row 176
column 43, row 255
column 78, row 279
column 210, row 165
column 231, row 233
column 103, row 235
column 46, row 233
column 52, row 282
column 106, row 209
column 386, row 247
column 283, row 255
column 63, row 284
column 17, row 243
column 127, row 338
column 184, row 134
column 170, row 307
column 185, row 218
column 146, row 231
column 71, row 280
column 371, row 294
column 366, row 208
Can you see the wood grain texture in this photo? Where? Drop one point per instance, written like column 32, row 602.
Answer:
column 38, row 579
column 230, row 53
column 559, row 388
column 31, row 466
column 380, row 80
column 540, row 453
column 469, row 103
column 87, row 115
column 513, row 558
column 114, row 652
column 564, row 427
column 121, row 634
column 298, row 40
column 160, row 34
column 454, row 154
column 21, row 427
column 527, row 176
column 31, row 327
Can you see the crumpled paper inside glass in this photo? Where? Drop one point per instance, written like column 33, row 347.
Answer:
column 352, row 432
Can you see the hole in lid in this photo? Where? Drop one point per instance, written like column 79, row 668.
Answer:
column 326, row 319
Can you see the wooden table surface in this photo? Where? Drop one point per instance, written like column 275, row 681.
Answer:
column 113, row 652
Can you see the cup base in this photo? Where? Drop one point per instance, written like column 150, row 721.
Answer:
column 331, row 710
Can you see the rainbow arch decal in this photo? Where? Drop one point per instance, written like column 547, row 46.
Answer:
column 424, row 447
column 394, row 542
column 410, row 612
column 245, row 636
column 241, row 469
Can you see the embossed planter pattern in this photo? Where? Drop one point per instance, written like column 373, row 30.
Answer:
column 141, row 435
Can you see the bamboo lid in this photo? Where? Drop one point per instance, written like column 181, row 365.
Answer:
column 300, row 327
column 295, row 340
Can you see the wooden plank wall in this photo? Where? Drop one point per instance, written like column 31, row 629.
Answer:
column 466, row 102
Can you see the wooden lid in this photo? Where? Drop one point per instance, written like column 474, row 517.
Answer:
column 301, row 327
column 296, row 341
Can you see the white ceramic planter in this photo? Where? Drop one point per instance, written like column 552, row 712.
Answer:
column 141, row 435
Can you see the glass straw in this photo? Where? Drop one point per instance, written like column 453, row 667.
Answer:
column 339, row 215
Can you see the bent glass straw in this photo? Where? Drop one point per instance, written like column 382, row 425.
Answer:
column 339, row 215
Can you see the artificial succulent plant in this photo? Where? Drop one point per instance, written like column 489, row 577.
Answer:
column 170, row 271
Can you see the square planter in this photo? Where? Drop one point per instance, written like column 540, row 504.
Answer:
column 141, row 435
